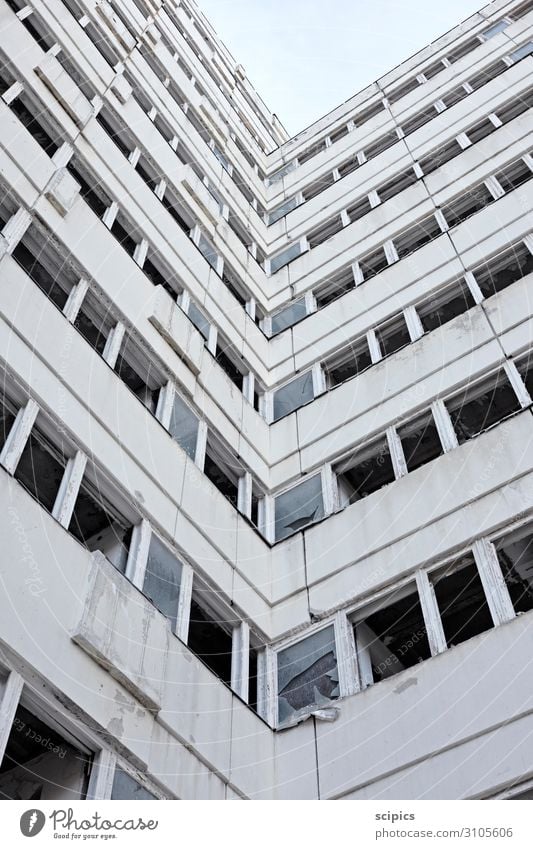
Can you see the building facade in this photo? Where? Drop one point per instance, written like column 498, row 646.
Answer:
column 266, row 446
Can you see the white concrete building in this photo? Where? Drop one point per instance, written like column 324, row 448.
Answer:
column 266, row 469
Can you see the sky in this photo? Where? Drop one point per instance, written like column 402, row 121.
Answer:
column 304, row 57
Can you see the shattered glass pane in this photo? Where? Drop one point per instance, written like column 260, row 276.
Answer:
column 307, row 674
column 299, row 507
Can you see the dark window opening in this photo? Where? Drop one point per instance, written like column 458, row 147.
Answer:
column 487, row 74
column 150, row 180
column 515, row 554
column 420, row 441
column 416, row 237
column 227, row 365
column 368, row 113
column 418, row 120
column 462, row 603
column 354, row 361
column 38, row 31
column 252, row 679
column 514, row 175
column 392, row 639
column 52, row 275
column 480, row 407
column 39, row 763
column 40, row 469
column 359, row 209
column 454, row 97
column 26, row 113
column 324, row 232
column 319, row 185
column 440, row 156
column 369, row 472
column 92, row 195
column 139, row 377
column 336, row 286
column 210, row 638
column 463, row 50
column 397, row 185
column 433, row 70
column 93, row 325
column 176, row 212
column 463, row 207
column 502, row 271
column 381, row 144
column 444, row 306
column 94, row 524
column 516, row 107
column 117, row 136
column 338, row 134
column 121, row 234
column 347, row 167
column 222, row 475
column 393, row 336
column 402, row 90
column 373, row 263
column 480, row 130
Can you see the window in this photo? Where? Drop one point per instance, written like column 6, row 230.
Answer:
column 147, row 173
column 487, row 74
column 392, row 637
column 117, row 134
column 125, row 787
column 516, row 107
column 90, row 189
column 418, row 120
column 468, row 204
column 210, row 636
column 347, row 167
column 463, row 50
column 293, row 396
column 368, row 113
column 199, row 320
column 319, row 185
column 397, row 185
column 94, row 323
column 26, row 110
column 282, row 210
column 521, row 10
column 393, row 335
column 229, row 362
column 433, row 70
column 373, row 263
column 454, row 96
column 461, row 600
column 522, row 52
column 162, row 579
column 480, row 130
column 365, row 472
column 440, row 156
column 307, row 675
column 416, row 237
column 336, row 286
column 402, row 90
column 98, row 526
column 525, row 367
column 515, row 554
column 286, row 256
column 208, row 251
column 183, row 426
column 338, row 134
column 381, row 144
column 41, row 467
column 350, row 362
column 443, row 306
column 359, row 209
column 222, row 470
column 482, row 405
column 324, row 232
column 178, row 212
column 139, row 375
column 299, row 507
column 38, row 255
column 288, row 316
column 499, row 273
column 42, row 760
column 125, row 234
column 420, row 442
column 514, row 175
column 495, row 29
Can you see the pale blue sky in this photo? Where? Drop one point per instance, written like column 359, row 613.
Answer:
column 305, row 57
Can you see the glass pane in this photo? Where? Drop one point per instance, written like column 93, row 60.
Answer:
column 516, row 559
column 125, row 787
column 293, row 396
column 288, row 316
column 183, row 426
column 162, row 579
column 299, row 507
column 307, row 674
column 199, row 320
column 285, row 257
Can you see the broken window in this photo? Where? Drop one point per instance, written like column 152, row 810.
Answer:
column 94, row 323
column 368, row 113
column 365, row 472
column 402, row 90
column 393, row 335
column 336, row 286
column 118, row 134
column 90, row 188
column 338, row 134
column 136, row 371
column 43, row 761
column 515, row 554
column 183, row 426
column 391, row 638
column 252, row 678
column 222, row 471
column 350, row 362
column 307, row 675
column 210, row 637
column 347, row 167
column 311, row 152
column 463, row 49
column 125, row 787
column 443, row 306
column 418, row 236
column 125, row 234
column 454, row 96
column 480, row 130
column 293, row 396
column 41, row 467
column 286, row 256
column 468, row 204
column 324, row 232
column 525, row 367
column 397, row 185
column 487, row 74
column 159, row 274
column 181, row 216
column 40, row 258
column 463, row 607
column 440, row 156
column 288, row 316
column 98, row 526
column 319, row 185
column 147, row 172
column 162, row 579
column 228, row 362
column 433, row 70
column 381, row 144
column 514, row 175
column 516, row 107
column 7, row 418
column 418, row 120
column 420, row 442
column 499, row 273
column 373, row 263
column 482, row 405
column 75, row 74
column 26, row 110
column 299, row 507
